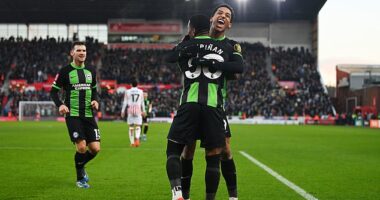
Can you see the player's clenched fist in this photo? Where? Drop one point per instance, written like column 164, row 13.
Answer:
column 63, row 109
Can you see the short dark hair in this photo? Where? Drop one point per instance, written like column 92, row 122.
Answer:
column 77, row 43
column 201, row 23
column 226, row 6
column 134, row 83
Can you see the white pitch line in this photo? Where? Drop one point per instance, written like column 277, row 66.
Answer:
column 282, row 179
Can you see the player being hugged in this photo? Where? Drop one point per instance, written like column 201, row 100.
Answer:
column 134, row 102
column 221, row 21
column 79, row 83
column 204, row 63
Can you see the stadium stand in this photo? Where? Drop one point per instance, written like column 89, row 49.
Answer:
column 258, row 92
column 298, row 65
column 147, row 66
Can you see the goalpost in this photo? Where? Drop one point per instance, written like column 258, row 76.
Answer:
column 37, row 111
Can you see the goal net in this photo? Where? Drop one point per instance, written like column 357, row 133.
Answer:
column 37, row 111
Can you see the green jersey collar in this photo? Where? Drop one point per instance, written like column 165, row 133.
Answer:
column 220, row 38
column 203, row 37
column 75, row 66
column 208, row 37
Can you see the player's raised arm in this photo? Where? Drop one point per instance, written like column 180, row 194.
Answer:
column 172, row 56
column 181, row 51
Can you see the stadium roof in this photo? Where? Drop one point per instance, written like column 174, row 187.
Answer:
column 355, row 68
column 99, row 11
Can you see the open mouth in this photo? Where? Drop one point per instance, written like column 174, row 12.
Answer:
column 221, row 21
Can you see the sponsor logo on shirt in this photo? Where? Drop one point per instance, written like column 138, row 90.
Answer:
column 82, row 86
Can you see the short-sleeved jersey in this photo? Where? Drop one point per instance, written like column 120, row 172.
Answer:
column 78, row 84
column 134, row 99
column 200, row 84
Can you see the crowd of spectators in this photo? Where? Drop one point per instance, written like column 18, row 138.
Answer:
column 165, row 102
column 148, row 66
column 291, row 64
column 34, row 60
column 298, row 65
column 254, row 92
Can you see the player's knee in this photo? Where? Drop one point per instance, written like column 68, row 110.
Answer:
column 95, row 150
column 94, row 147
column 188, row 151
column 213, row 152
column 226, row 154
column 188, row 155
column 81, row 148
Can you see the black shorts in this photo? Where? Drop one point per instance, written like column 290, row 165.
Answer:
column 227, row 127
column 83, row 128
column 195, row 121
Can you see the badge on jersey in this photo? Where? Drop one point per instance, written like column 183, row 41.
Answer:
column 237, row 48
column 88, row 77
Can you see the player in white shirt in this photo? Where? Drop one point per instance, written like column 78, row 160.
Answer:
column 134, row 100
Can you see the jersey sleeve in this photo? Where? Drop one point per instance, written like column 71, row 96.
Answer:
column 60, row 79
column 58, row 84
column 234, row 63
column 236, row 48
column 236, row 56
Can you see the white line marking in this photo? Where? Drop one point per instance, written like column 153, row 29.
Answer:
column 282, row 179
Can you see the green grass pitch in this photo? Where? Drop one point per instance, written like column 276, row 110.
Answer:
column 36, row 162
